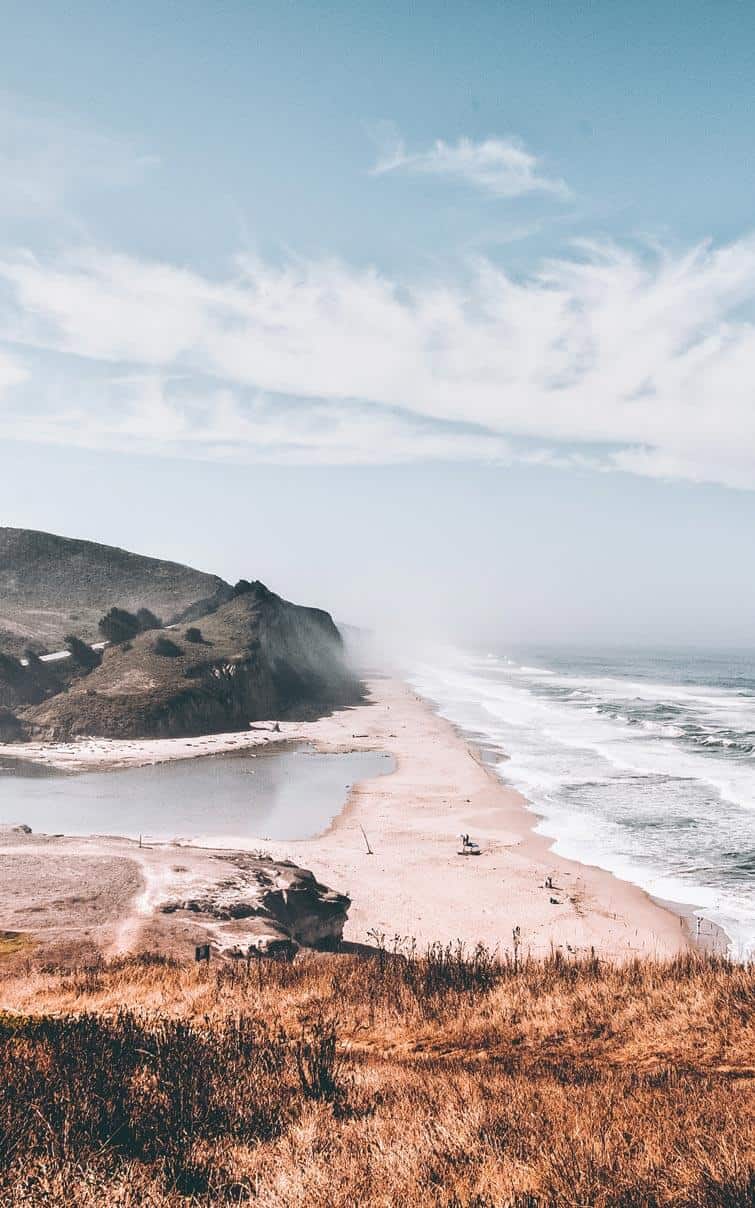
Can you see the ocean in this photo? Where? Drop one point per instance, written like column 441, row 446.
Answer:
column 642, row 763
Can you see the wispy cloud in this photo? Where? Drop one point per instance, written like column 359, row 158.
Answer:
column 152, row 413
column 612, row 358
column 12, row 372
column 49, row 162
column 502, row 166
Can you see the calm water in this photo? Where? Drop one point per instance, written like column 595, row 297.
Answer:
column 283, row 795
column 643, row 763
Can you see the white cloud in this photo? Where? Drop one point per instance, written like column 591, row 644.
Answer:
column 161, row 416
column 502, row 166
column 612, row 358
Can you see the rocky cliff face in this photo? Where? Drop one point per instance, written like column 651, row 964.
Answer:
column 266, row 907
column 257, row 657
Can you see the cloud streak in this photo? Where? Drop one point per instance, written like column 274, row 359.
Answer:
column 612, row 358
column 49, row 163
column 501, row 166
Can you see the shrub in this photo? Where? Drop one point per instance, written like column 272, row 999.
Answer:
column 243, row 587
column 194, row 635
column 118, row 625
column 144, row 1090
column 560, row 1083
column 146, row 619
column 11, row 729
column 166, row 648
column 83, row 654
column 10, row 667
column 318, row 1061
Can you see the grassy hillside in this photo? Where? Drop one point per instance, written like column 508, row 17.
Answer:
column 386, row 1079
column 51, row 586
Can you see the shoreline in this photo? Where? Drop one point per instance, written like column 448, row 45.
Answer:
column 702, row 932
column 414, row 884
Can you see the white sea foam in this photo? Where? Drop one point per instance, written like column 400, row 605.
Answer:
column 654, row 781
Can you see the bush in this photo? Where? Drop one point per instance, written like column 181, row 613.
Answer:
column 194, row 635
column 11, row 729
column 83, row 654
column 118, row 625
column 146, row 619
column 243, row 587
column 318, row 1061
column 166, row 647
column 10, row 667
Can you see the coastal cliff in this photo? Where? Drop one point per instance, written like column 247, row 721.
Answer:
column 256, row 657
column 214, row 658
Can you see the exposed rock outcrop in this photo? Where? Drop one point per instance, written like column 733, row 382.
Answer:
column 267, row 907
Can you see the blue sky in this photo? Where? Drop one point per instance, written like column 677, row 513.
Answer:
column 454, row 299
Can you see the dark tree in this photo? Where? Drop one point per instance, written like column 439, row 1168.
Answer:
column 147, row 620
column 166, row 647
column 118, row 626
column 83, row 654
column 10, row 667
column 11, row 728
column 194, row 635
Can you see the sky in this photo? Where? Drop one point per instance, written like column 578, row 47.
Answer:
column 440, row 316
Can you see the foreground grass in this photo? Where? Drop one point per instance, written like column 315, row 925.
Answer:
column 442, row 1079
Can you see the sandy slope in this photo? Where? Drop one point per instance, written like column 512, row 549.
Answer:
column 415, row 884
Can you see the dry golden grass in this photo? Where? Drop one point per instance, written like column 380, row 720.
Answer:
column 14, row 942
column 395, row 1079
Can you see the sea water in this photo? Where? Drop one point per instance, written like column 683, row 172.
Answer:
column 642, row 763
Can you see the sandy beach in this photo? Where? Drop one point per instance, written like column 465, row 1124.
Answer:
column 416, row 885
column 413, row 883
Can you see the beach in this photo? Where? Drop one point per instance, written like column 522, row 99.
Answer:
column 394, row 847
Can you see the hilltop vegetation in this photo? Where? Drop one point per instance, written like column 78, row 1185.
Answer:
column 51, row 586
column 445, row 1079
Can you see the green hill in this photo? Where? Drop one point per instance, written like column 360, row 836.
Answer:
column 51, row 586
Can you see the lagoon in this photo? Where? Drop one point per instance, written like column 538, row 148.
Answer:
column 290, row 794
